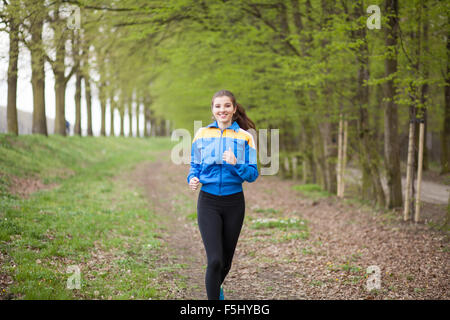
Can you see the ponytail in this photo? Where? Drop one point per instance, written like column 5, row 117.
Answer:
column 239, row 116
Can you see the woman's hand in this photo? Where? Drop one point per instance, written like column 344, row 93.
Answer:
column 229, row 157
column 193, row 184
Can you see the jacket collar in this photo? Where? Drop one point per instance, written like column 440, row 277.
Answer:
column 234, row 126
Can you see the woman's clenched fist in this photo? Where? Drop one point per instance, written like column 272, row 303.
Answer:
column 193, row 184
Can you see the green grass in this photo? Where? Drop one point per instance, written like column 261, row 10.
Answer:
column 192, row 216
column 316, row 283
column 269, row 211
column 312, row 191
column 307, row 251
column 347, row 267
column 283, row 224
column 91, row 220
column 278, row 230
column 302, row 235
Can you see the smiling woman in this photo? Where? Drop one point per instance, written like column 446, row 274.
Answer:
column 223, row 156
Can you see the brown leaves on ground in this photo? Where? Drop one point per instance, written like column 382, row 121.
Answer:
column 343, row 240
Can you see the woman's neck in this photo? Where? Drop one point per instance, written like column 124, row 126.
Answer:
column 223, row 126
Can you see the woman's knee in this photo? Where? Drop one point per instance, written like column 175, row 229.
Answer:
column 215, row 264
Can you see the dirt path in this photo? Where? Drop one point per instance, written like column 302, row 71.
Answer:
column 163, row 185
column 329, row 261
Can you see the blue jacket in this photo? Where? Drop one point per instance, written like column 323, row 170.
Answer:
column 216, row 175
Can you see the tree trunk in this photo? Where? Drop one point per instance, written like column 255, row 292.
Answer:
column 59, row 68
column 329, row 155
column 169, row 123
column 331, row 158
column 137, row 112
column 11, row 108
column 340, row 158
column 286, row 167
column 77, row 126
column 391, row 140
column 112, row 105
column 147, row 115
column 419, row 172
column 320, row 159
column 130, row 115
column 343, row 128
column 294, row 167
column 152, row 127
column 162, row 126
column 60, row 93
column 372, row 187
column 415, row 92
column 309, row 152
column 122, row 120
column 309, row 165
column 367, row 187
column 344, row 157
column 88, row 97
column 445, row 133
column 154, row 124
column 78, row 78
column 328, row 127
column 38, row 78
column 146, row 120
column 409, row 172
column 425, row 85
column 102, row 99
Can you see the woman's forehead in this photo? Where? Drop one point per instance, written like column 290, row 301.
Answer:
column 221, row 100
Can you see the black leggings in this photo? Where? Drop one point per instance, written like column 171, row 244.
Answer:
column 220, row 221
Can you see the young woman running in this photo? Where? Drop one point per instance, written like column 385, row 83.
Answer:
column 223, row 156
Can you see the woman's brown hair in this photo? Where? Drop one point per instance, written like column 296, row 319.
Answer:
column 239, row 116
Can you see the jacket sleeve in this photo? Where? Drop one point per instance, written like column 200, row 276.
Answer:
column 248, row 171
column 196, row 158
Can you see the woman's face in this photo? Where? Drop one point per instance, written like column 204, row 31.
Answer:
column 223, row 110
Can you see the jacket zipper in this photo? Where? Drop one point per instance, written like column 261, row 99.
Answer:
column 221, row 165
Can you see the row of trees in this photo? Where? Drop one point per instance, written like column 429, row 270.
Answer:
column 307, row 66
column 338, row 89
column 52, row 33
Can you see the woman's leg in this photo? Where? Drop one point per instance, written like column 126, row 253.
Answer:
column 233, row 218
column 210, row 224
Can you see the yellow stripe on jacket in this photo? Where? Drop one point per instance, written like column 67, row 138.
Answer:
column 206, row 132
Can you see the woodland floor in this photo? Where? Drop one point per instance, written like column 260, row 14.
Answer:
column 327, row 258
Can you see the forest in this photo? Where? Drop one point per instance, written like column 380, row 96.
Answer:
column 346, row 82
column 357, row 92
